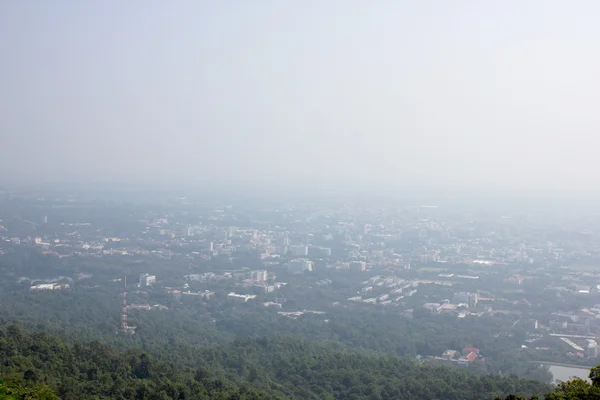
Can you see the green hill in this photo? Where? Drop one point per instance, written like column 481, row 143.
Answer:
column 283, row 368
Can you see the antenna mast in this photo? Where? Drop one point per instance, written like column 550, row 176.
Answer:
column 124, row 327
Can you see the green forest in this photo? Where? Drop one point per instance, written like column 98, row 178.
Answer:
column 40, row 366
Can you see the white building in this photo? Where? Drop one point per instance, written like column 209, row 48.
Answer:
column 301, row 265
column 240, row 298
column 147, row 280
column 318, row 251
column 258, row 275
column 270, row 304
column 50, row 286
column 360, row 266
column 298, row 250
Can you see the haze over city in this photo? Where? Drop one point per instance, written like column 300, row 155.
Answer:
column 477, row 96
column 326, row 200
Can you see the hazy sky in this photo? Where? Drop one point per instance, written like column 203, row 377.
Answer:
column 464, row 94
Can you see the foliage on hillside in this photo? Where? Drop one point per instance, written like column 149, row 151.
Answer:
column 33, row 363
column 84, row 314
column 245, row 369
column 575, row 389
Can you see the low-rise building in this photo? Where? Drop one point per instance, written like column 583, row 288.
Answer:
column 241, row 298
column 147, row 280
column 50, row 286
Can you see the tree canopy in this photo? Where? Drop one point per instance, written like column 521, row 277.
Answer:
column 40, row 366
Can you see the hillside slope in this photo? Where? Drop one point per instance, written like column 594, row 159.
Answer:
column 245, row 369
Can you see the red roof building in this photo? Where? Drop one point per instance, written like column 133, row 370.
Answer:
column 470, row 349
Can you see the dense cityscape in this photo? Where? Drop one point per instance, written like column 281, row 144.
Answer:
column 299, row 200
column 496, row 288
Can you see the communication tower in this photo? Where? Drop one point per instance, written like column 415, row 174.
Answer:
column 126, row 329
